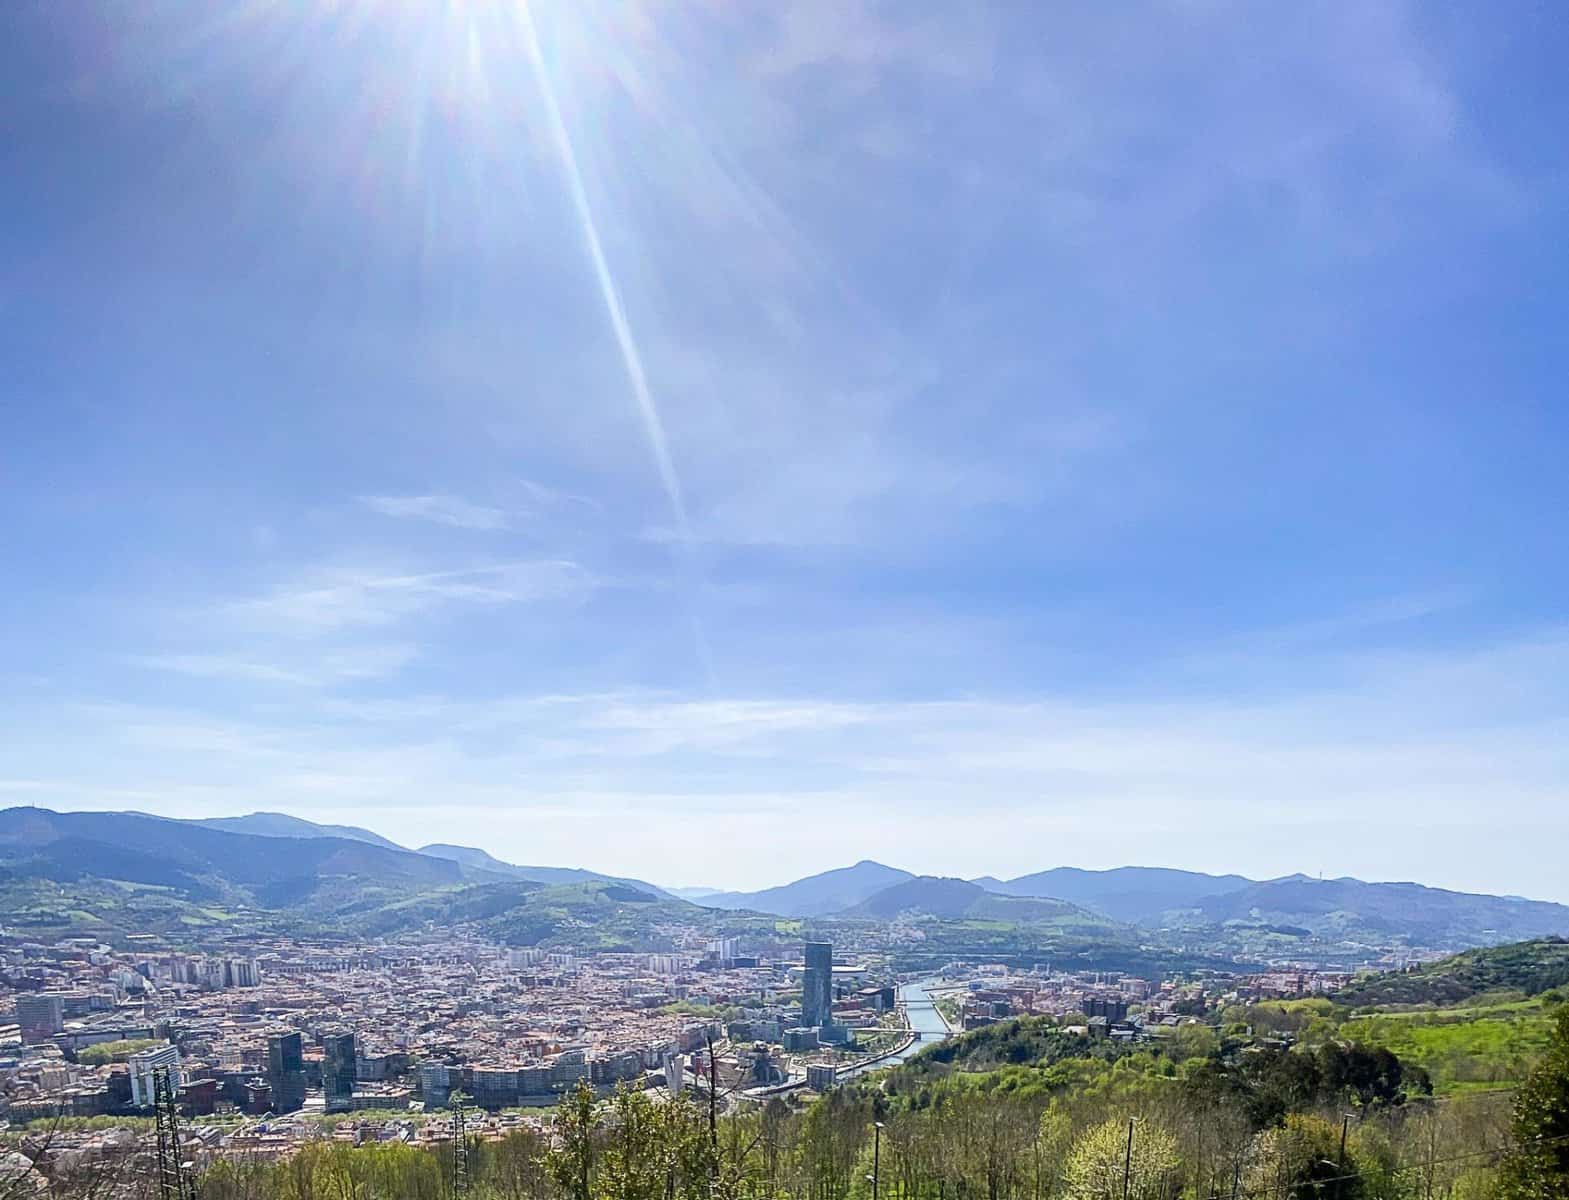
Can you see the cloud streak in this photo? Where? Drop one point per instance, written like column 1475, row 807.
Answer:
column 318, row 670
column 443, row 510
column 343, row 597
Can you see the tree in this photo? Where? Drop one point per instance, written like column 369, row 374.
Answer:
column 772, row 1125
column 572, row 1161
column 988, row 1138
column 1048, row 1156
column 832, row 1135
column 1538, row 1167
column 515, row 1167
column 633, row 1167
column 1101, row 1161
column 1192, row 1041
column 1301, row 1161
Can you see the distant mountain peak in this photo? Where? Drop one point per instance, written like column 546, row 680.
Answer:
column 816, row 895
column 477, row 859
column 281, row 824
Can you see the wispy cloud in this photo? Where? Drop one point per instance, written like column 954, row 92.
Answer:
column 339, row 598
column 1304, row 778
column 320, row 669
column 544, row 497
column 443, row 510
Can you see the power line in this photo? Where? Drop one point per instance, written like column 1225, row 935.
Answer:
column 460, row 1154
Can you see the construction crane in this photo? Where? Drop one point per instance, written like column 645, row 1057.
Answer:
column 176, row 1178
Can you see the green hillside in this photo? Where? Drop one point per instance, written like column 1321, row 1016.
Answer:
column 1463, row 1049
column 960, row 900
column 1528, row 968
column 1475, row 1021
column 44, row 909
column 590, row 915
column 1384, row 913
column 317, row 875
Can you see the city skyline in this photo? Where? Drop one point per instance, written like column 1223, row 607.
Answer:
column 980, row 441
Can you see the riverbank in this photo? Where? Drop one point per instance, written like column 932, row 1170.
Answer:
column 951, row 1025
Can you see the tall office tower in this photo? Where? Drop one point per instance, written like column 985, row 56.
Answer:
column 41, row 1015
column 337, row 1071
column 817, row 985
column 286, row 1071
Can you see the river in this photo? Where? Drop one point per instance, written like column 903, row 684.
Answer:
column 924, row 1020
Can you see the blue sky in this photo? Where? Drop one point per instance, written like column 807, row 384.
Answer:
column 720, row 442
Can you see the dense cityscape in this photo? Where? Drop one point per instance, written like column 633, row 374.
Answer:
column 165, row 1024
column 292, row 1043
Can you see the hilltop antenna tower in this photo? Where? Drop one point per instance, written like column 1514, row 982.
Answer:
column 174, row 1183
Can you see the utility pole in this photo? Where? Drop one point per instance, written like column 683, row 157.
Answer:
column 1340, row 1172
column 1432, row 1154
column 1127, row 1161
column 173, row 1182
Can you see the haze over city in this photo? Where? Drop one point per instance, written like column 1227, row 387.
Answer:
column 719, row 445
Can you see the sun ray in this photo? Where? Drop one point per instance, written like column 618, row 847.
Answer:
column 631, row 357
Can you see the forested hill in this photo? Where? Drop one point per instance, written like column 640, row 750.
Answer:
column 1529, row 968
column 1034, row 1040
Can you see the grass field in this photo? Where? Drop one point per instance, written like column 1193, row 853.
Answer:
column 1476, row 1048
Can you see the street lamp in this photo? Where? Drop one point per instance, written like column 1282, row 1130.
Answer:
column 877, row 1154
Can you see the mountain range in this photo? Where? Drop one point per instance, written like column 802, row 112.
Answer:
column 1136, row 894
column 210, row 865
column 123, row 871
column 1425, row 915
column 273, row 824
column 1130, row 894
column 1294, row 906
